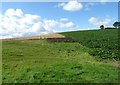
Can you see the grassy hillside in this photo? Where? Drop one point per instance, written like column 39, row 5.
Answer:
column 103, row 43
column 39, row 61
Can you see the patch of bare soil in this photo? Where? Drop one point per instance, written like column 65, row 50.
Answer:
column 46, row 36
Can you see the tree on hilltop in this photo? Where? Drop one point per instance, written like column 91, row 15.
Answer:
column 102, row 26
column 116, row 24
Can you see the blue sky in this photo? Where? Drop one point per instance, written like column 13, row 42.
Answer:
column 64, row 16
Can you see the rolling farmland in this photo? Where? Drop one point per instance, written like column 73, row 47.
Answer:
column 92, row 58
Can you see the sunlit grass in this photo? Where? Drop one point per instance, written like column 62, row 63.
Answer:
column 37, row 61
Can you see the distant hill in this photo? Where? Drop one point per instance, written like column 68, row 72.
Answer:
column 54, row 35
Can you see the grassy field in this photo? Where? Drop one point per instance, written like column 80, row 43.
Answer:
column 39, row 61
column 103, row 43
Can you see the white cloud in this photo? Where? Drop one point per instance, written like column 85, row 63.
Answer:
column 3, row 37
column 15, row 13
column 64, row 19
column 70, row 25
column 71, row 6
column 10, row 12
column 19, row 13
column 48, row 24
column 29, row 19
column 14, row 23
column 61, row 4
column 96, row 22
column 51, row 23
column 89, row 5
column 17, row 34
column 103, row 1
column 37, row 27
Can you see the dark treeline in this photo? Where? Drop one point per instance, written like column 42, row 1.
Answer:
column 115, row 24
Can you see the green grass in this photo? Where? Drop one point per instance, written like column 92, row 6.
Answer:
column 38, row 61
column 103, row 43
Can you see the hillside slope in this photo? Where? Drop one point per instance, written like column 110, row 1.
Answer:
column 103, row 43
column 38, row 61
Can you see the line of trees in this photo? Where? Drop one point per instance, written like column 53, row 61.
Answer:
column 115, row 24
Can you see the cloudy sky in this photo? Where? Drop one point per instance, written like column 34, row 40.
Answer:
column 20, row 19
